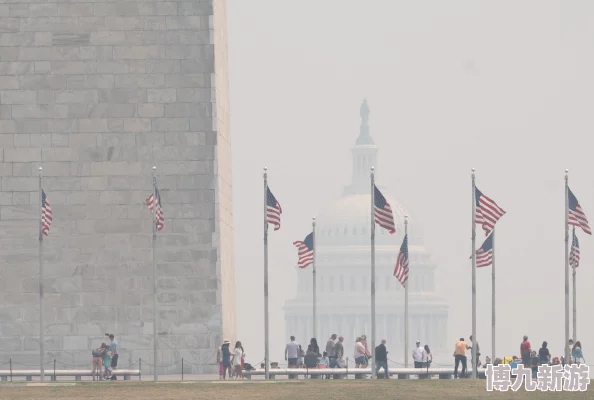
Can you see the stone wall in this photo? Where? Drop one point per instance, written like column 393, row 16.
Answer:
column 96, row 93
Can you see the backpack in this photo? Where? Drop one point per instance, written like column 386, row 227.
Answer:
column 98, row 352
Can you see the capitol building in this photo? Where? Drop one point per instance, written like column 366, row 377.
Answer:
column 343, row 272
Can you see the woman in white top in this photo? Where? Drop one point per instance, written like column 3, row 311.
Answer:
column 359, row 354
column 237, row 354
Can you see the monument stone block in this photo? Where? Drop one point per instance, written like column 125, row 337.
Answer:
column 96, row 94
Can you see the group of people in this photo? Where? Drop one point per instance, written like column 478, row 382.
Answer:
column 105, row 359
column 231, row 363
column 333, row 356
column 528, row 357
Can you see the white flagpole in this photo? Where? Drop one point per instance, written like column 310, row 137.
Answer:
column 574, row 296
column 373, row 372
column 315, row 314
column 41, row 323
column 266, row 339
column 406, row 302
column 474, row 340
column 155, row 312
column 566, row 267
column 493, row 298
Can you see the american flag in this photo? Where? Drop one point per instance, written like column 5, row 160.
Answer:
column 159, row 219
column 383, row 211
column 401, row 270
column 273, row 210
column 576, row 214
column 484, row 255
column 46, row 214
column 306, row 251
column 574, row 255
column 487, row 211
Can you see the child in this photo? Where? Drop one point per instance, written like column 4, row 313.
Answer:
column 107, row 361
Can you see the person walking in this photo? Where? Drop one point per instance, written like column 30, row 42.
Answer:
column 381, row 359
column 460, row 357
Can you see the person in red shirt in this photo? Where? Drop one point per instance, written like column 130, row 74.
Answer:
column 525, row 350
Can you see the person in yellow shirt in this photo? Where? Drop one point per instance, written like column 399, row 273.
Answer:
column 460, row 357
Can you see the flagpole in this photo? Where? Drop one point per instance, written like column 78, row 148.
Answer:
column 315, row 314
column 473, row 351
column 493, row 297
column 155, row 313
column 574, row 299
column 566, row 267
column 266, row 344
column 406, row 303
column 373, row 372
column 41, row 329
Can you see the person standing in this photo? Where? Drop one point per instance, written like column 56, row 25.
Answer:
column 428, row 356
column 570, row 347
column 460, row 357
column 107, row 357
column 339, row 352
column 418, row 355
column 237, row 355
column 544, row 354
column 113, row 346
column 331, row 351
column 313, row 343
column 292, row 353
column 359, row 354
column 98, row 361
column 226, row 358
column 576, row 353
column 525, row 350
column 381, row 359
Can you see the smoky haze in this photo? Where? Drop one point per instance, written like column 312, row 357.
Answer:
column 504, row 88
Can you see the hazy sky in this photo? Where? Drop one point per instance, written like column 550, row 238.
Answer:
column 504, row 87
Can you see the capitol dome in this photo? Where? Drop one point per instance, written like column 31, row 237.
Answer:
column 347, row 221
column 343, row 259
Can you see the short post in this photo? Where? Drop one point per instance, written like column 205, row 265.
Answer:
column 10, row 369
column 182, row 368
column 140, row 368
column 54, row 378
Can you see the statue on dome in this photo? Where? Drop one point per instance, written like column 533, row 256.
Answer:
column 364, row 137
column 364, row 112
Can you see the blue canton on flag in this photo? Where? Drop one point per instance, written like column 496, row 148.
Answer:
column 487, row 212
column 574, row 255
column 577, row 217
column 382, row 211
column 484, row 255
column 273, row 210
column 306, row 251
column 401, row 270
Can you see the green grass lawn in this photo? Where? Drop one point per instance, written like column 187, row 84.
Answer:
column 258, row 390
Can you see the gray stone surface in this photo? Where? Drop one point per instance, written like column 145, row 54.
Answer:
column 96, row 93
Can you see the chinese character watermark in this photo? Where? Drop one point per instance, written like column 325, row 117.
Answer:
column 572, row 378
